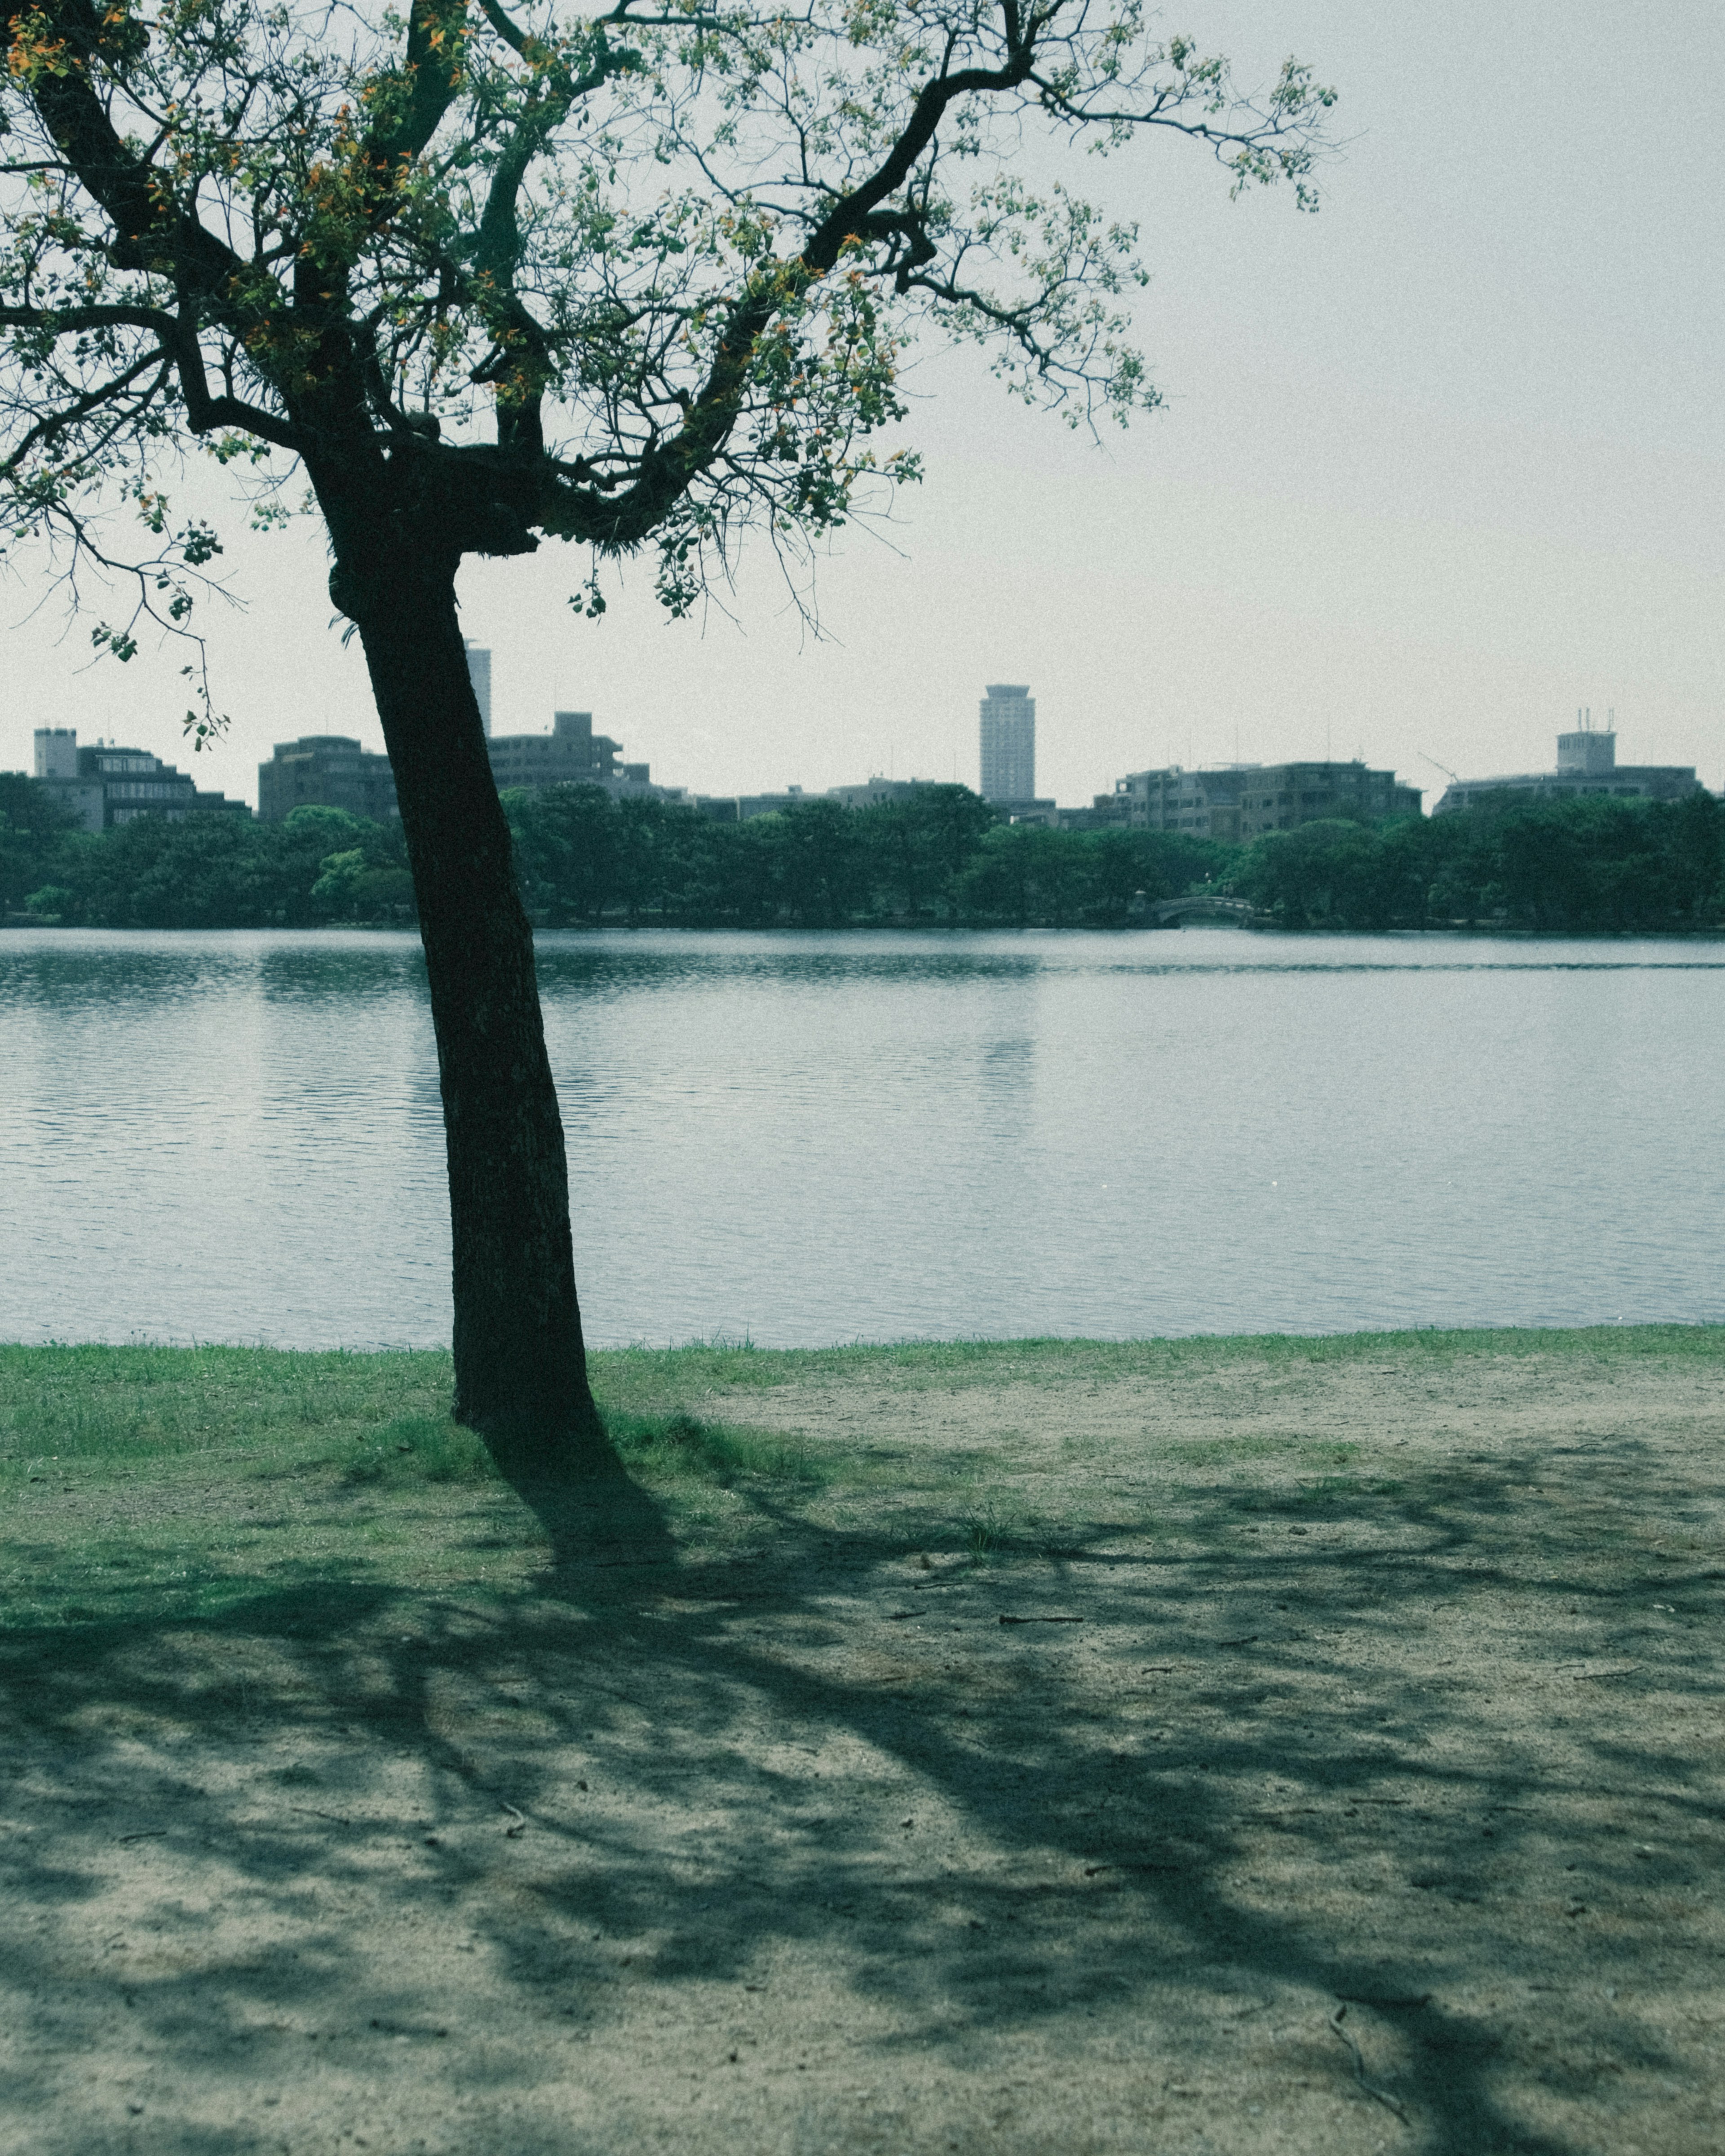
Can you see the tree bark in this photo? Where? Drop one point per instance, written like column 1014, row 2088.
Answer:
column 521, row 1365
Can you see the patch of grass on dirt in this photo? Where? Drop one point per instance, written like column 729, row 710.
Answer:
column 141, row 1479
column 711, row 1369
column 680, row 1447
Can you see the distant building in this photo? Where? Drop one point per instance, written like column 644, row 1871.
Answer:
column 108, row 785
column 744, row 807
column 1110, row 812
column 1239, row 801
column 1008, row 745
column 325, row 771
column 877, row 790
column 479, row 672
column 571, row 754
column 1587, row 763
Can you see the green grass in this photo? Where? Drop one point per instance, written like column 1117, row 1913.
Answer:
column 678, row 1414
column 147, row 1481
column 719, row 1367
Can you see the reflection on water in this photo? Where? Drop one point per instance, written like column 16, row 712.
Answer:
column 809, row 1138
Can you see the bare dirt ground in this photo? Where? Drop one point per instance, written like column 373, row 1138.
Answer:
column 1267, row 1757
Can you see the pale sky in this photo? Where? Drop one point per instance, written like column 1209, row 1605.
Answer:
column 1438, row 466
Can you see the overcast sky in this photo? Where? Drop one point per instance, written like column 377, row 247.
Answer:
column 1438, row 466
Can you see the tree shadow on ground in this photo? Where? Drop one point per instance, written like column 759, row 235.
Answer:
column 663, row 1767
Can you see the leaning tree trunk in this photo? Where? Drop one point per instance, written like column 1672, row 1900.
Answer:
column 521, row 1366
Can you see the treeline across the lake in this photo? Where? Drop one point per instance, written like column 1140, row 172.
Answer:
column 1595, row 863
column 583, row 858
column 940, row 855
column 213, row 871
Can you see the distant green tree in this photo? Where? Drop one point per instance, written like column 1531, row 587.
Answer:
column 1327, row 875
column 352, row 887
column 33, row 830
column 154, row 873
column 1124, row 866
column 1597, row 863
column 917, row 847
column 568, row 845
column 815, row 866
column 1021, row 875
column 1696, row 828
column 663, row 854
column 324, row 864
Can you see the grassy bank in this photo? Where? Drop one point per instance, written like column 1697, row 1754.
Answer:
column 195, row 1473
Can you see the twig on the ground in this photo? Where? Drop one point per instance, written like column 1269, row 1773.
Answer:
column 310, row 1811
column 1378, row 2094
column 1005, row 1619
column 147, row 1834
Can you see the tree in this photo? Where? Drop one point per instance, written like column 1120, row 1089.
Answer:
column 638, row 280
column 922, row 842
column 565, row 850
column 33, row 830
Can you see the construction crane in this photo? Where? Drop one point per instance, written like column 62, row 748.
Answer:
column 1451, row 775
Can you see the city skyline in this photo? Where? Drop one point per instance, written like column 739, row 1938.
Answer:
column 1013, row 701
column 1427, row 478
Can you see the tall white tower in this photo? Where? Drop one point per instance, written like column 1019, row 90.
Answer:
column 479, row 672
column 1008, row 716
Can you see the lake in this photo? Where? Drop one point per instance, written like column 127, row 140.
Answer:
column 811, row 1138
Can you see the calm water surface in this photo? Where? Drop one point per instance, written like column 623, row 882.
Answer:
column 812, row 1138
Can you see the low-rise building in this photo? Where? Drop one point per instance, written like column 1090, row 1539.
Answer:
column 571, row 754
column 325, row 771
column 1587, row 763
column 109, row 785
column 1235, row 801
column 878, row 791
column 1043, row 813
column 1108, row 812
column 744, row 807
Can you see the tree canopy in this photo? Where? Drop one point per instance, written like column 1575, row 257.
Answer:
column 641, row 275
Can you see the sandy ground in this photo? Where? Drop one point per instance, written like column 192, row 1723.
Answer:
column 1316, row 1759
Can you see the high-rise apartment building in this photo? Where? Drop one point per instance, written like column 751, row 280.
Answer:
column 1009, row 744
column 479, row 672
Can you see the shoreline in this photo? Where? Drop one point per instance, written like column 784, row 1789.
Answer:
column 1482, row 930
